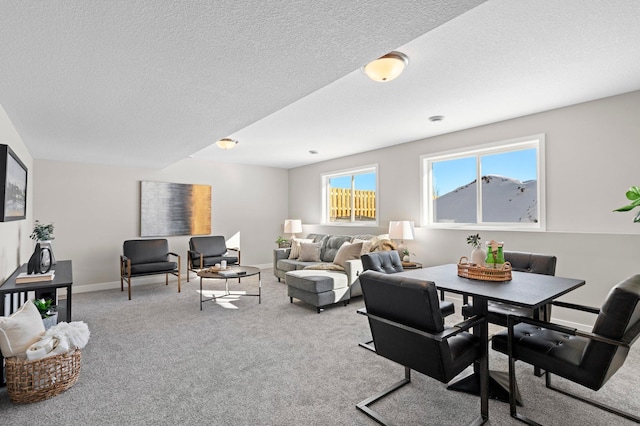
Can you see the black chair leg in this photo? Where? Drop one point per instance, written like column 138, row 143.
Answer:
column 364, row 405
column 589, row 401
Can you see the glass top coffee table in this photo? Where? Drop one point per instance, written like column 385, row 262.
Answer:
column 232, row 272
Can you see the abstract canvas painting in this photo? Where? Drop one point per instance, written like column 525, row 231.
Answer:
column 174, row 209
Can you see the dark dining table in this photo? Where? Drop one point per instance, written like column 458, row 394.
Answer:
column 524, row 289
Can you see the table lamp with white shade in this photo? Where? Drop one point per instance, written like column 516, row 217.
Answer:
column 292, row 226
column 401, row 230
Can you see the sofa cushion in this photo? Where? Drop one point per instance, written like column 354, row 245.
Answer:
column 316, row 281
column 332, row 245
column 295, row 246
column 310, row 252
column 292, row 265
column 346, row 252
column 366, row 245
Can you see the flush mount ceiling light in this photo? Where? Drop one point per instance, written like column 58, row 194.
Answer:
column 226, row 143
column 387, row 67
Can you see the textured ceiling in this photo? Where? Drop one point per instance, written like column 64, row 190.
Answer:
column 150, row 83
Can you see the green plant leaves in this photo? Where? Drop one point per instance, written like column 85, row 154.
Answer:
column 633, row 195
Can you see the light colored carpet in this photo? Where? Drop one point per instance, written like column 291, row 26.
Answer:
column 158, row 359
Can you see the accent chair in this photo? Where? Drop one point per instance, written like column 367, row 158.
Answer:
column 147, row 257
column 207, row 251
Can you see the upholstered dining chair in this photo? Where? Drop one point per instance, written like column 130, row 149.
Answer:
column 523, row 262
column 147, row 257
column 586, row 358
column 407, row 327
column 388, row 262
column 207, row 251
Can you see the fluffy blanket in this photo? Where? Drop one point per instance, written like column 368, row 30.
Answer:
column 60, row 339
column 325, row 267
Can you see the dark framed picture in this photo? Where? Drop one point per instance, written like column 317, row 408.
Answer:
column 13, row 191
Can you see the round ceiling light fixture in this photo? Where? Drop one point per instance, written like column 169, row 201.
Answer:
column 226, row 143
column 435, row 118
column 387, row 67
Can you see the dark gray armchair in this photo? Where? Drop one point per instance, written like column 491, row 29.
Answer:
column 522, row 262
column 147, row 257
column 407, row 327
column 207, row 251
column 589, row 359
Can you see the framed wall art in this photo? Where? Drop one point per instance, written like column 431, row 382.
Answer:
column 174, row 209
column 13, row 189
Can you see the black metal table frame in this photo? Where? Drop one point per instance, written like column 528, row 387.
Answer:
column 63, row 279
column 226, row 278
column 525, row 293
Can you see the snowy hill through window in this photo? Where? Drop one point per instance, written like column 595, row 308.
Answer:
column 504, row 199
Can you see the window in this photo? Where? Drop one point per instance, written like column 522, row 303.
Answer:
column 511, row 194
column 350, row 196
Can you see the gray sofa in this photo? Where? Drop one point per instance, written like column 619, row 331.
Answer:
column 320, row 287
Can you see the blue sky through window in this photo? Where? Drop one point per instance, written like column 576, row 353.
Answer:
column 366, row 181
column 451, row 174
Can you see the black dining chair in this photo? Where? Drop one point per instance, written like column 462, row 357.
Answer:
column 388, row 262
column 522, row 262
column 408, row 328
column 586, row 358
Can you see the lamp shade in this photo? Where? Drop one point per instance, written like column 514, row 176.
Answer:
column 401, row 230
column 292, row 226
column 387, row 67
column 226, row 143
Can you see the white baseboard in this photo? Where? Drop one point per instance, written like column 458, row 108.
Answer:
column 140, row 281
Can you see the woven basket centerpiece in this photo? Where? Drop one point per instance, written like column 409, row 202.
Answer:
column 483, row 273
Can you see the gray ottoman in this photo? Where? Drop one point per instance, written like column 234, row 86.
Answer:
column 318, row 288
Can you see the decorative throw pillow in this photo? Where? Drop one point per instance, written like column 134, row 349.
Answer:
column 366, row 245
column 347, row 252
column 310, row 252
column 19, row 331
column 295, row 246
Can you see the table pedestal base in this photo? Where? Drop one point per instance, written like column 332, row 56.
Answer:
column 498, row 386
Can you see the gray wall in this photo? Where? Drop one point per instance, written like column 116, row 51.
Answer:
column 95, row 208
column 15, row 245
column 591, row 160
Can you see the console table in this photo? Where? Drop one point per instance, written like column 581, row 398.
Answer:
column 17, row 294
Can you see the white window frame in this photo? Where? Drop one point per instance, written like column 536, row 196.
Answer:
column 372, row 168
column 527, row 142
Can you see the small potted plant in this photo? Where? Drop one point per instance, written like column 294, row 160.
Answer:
column 283, row 242
column 406, row 254
column 42, row 232
column 47, row 312
column 477, row 254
